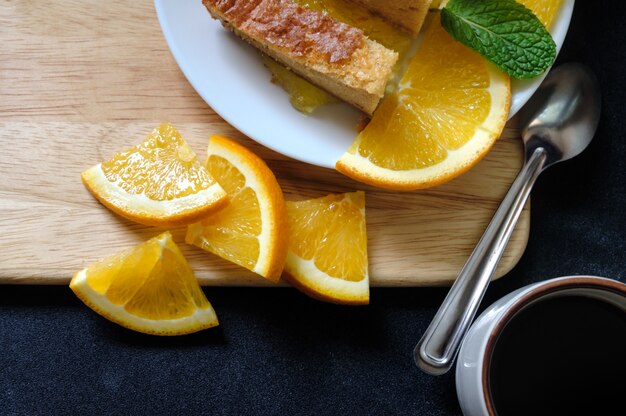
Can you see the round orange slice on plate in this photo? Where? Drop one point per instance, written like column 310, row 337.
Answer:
column 450, row 108
column 545, row 10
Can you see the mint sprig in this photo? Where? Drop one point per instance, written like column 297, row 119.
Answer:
column 503, row 31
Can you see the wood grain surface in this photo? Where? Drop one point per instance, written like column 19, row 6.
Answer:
column 83, row 79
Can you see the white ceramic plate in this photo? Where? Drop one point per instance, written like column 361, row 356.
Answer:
column 229, row 76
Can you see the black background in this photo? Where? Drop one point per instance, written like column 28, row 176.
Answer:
column 278, row 352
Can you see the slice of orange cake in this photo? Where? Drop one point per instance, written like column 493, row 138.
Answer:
column 332, row 55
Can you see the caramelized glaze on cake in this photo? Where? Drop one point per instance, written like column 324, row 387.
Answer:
column 288, row 25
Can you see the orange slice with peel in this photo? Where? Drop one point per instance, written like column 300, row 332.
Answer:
column 545, row 10
column 327, row 257
column 251, row 230
column 450, row 108
column 159, row 182
column 149, row 288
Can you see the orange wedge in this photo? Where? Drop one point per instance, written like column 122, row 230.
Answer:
column 251, row 230
column 450, row 108
column 327, row 257
column 149, row 288
column 159, row 182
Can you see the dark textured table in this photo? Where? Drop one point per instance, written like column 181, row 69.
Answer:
column 278, row 352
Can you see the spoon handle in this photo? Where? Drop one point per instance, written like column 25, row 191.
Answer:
column 437, row 349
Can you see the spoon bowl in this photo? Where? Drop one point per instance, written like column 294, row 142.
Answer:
column 563, row 115
column 557, row 123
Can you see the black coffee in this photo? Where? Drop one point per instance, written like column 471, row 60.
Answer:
column 561, row 356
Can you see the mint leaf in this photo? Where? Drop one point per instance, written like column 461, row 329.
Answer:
column 503, row 31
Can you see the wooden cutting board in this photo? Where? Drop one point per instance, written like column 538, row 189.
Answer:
column 80, row 80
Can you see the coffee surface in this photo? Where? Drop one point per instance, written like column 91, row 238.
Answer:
column 565, row 355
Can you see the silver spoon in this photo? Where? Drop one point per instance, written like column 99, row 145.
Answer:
column 557, row 123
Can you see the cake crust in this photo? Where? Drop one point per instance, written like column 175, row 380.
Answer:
column 330, row 54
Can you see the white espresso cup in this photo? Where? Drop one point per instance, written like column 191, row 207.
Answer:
column 553, row 347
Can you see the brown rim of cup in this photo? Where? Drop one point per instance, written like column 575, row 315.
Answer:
column 551, row 286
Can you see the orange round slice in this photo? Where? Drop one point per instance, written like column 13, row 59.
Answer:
column 545, row 10
column 159, row 182
column 251, row 230
column 327, row 257
column 149, row 288
column 450, row 108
